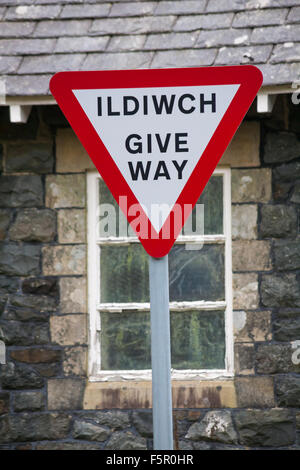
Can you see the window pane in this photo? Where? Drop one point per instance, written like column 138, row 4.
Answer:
column 124, row 273
column 125, row 341
column 197, row 275
column 212, row 198
column 197, row 340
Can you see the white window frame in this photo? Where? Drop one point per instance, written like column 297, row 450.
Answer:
column 94, row 366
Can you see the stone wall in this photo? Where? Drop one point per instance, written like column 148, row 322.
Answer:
column 45, row 399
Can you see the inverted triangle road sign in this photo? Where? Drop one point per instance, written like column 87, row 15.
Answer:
column 156, row 136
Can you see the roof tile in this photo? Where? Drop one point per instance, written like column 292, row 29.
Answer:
column 223, row 37
column 192, row 23
column 239, row 5
column 294, row 15
column 14, row 29
column 84, row 11
column 180, row 7
column 171, row 41
column 27, row 85
column 51, row 63
column 279, row 73
column 126, row 43
column 275, row 34
column 133, row 9
column 186, row 58
column 133, row 25
column 62, row 28
column 26, row 46
column 81, row 44
column 9, row 64
column 287, row 52
column 32, row 12
column 259, row 18
column 243, row 55
column 110, row 61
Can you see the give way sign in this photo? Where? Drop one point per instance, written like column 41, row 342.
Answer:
column 156, row 136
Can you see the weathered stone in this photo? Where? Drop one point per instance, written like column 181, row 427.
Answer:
column 114, row 419
column 252, row 326
column 34, row 225
column 215, row 426
column 48, row 369
column 29, row 401
column 244, row 355
column 38, row 286
column 244, row 222
column 17, row 376
column 4, row 403
column 67, row 446
column 8, row 285
column 90, row 432
column 286, row 329
column 281, row 190
column 4, row 222
column 275, row 359
column 287, row 255
column 280, row 290
column 73, row 295
column 71, row 157
column 126, row 441
column 298, row 420
column 253, row 392
column 20, row 334
column 21, row 191
column 34, row 427
column 68, row 330
column 143, row 423
column 75, row 361
column 65, row 191
column 65, row 394
column 42, row 303
column 278, row 221
column 245, row 291
column 36, row 157
column 64, row 260
column 71, row 226
column 36, row 355
column 19, row 260
column 24, row 315
column 296, row 194
column 287, row 172
column 281, row 147
column 251, row 255
column 251, row 185
column 288, row 391
column 265, row 428
column 243, row 150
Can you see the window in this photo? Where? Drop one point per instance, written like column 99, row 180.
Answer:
column 200, row 291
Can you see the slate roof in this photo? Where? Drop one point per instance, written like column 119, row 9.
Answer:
column 41, row 37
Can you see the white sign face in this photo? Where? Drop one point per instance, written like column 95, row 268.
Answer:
column 156, row 135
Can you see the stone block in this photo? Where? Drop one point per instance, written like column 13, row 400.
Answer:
column 126, row 441
column 114, row 419
column 40, row 303
column 265, row 428
column 5, row 218
column 21, row 191
column 4, row 403
column 251, row 185
column 65, row 191
column 90, row 432
column 64, row 260
column 286, row 329
column 19, row 334
column 288, row 391
column 296, row 194
column 252, row 326
column 68, row 330
column 245, row 291
column 19, row 260
column 287, row 172
column 71, row 157
column 73, row 295
column 29, row 401
column 37, row 286
column 287, row 255
column 71, row 226
column 255, row 392
column 143, row 422
column 280, row 290
column 244, row 358
column 34, row 225
column 251, row 255
column 65, row 394
column 281, row 147
column 278, row 221
column 215, row 426
column 75, row 361
column 20, row 376
column 243, row 150
column 36, row 157
column 244, row 221
column 275, row 359
column 36, row 355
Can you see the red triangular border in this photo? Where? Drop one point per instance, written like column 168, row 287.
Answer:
column 247, row 76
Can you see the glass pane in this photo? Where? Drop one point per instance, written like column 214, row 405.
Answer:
column 212, row 198
column 125, row 341
column 197, row 275
column 124, row 273
column 197, row 340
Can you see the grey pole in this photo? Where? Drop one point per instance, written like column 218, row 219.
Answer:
column 161, row 353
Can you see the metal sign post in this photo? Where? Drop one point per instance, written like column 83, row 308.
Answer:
column 161, row 353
